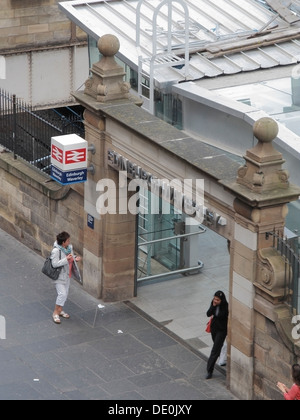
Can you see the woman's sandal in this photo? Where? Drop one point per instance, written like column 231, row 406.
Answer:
column 64, row 315
column 56, row 319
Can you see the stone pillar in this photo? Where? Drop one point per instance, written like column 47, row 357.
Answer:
column 262, row 192
column 109, row 239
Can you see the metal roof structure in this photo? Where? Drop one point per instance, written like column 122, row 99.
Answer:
column 224, row 37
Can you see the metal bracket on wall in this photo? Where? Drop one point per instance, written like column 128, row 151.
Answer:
column 91, row 169
column 92, row 149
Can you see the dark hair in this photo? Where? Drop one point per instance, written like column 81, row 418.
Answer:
column 62, row 237
column 221, row 295
column 296, row 373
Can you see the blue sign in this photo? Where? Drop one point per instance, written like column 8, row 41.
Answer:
column 90, row 221
column 68, row 177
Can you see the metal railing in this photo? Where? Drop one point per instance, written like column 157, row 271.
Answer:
column 168, row 239
column 289, row 249
column 27, row 133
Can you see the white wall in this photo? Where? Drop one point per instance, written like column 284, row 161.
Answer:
column 46, row 78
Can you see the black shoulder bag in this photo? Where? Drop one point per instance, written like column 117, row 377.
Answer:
column 49, row 270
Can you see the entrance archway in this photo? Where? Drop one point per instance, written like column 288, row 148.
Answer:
column 180, row 302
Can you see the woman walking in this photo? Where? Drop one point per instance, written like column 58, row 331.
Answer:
column 62, row 256
column 218, row 310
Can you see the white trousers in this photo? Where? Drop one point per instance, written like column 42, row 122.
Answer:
column 62, row 293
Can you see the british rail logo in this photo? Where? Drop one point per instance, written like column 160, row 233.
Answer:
column 71, row 156
column 57, row 154
column 75, row 156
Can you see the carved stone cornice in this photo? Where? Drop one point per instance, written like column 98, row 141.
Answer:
column 271, row 270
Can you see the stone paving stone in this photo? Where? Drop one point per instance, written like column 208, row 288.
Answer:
column 28, row 314
column 177, row 353
column 119, row 386
column 154, row 338
column 111, row 370
column 44, row 345
column 128, row 396
column 129, row 325
column 80, row 355
column 119, row 346
column 148, row 379
column 84, row 336
column 19, row 391
column 47, row 391
column 179, row 390
column 173, row 372
column 145, row 362
column 13, row 370
column 83, row 377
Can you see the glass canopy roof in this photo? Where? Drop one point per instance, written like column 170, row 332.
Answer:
column 279, row 98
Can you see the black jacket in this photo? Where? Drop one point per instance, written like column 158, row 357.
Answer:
column 220, row 317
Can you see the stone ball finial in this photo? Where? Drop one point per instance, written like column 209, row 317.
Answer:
column 265, row 129
column 108, row 45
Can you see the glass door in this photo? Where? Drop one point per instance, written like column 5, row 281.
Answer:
column 161, row 239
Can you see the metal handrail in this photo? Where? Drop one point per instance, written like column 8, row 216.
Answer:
column 170, row 238
column 170, row 273
column 179, row 271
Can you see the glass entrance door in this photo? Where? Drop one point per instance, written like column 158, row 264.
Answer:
column 162, row 239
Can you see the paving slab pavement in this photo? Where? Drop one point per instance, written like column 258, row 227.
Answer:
column 115, row 352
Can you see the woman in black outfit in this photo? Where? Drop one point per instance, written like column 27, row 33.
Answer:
column 219, row 311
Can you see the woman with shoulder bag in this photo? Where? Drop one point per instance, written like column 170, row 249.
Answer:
column 62, row 256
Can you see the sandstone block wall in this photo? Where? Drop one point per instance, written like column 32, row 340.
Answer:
column 34, row 23
column 34, row 209
column 272, row 360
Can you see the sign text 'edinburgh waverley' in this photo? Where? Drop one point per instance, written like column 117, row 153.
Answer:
column 69, row 159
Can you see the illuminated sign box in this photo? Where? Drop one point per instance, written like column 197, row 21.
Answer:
column 69, row 159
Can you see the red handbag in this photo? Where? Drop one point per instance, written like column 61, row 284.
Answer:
column 207, row 329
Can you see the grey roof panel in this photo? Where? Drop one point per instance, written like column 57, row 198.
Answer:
column 292, row 48
column 262, row 57
column 278, row 53
column 225, row 36
column 245, row 62
column 228, row 66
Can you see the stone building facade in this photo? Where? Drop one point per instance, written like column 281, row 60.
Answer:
column 28, row 24
column 253, row 200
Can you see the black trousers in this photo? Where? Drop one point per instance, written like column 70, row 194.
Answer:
column 218, row 339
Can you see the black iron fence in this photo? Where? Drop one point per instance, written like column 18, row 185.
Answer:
column 289, row 249
column 27, row 133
